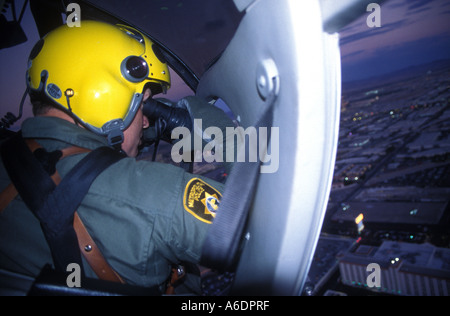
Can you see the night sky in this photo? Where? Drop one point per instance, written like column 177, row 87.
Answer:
column 412, row 32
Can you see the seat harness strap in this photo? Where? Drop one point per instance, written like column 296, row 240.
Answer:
column 224, row 239
column 54, row 201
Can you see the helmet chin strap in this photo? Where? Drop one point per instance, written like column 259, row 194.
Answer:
column 114, row 128
column 115, row 139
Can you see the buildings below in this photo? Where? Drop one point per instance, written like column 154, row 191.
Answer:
column 404, row 268
column 392, row 166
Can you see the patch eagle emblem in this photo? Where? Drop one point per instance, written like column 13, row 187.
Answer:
column 201, row 200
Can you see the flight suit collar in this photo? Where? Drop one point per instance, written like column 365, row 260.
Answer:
column 56, row 129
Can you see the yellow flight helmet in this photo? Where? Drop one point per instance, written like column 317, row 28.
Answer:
column 97, row 73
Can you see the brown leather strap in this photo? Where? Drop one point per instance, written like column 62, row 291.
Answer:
column 69, row 151
column 88, row 248
column 10, row 192
column 92, row 254
column 7, row 196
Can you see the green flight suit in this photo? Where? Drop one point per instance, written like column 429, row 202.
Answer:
column 141, row 214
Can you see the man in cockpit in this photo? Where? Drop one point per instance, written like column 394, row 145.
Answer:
column 87, row 85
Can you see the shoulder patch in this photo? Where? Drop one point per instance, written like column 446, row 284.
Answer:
column 201, row 200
